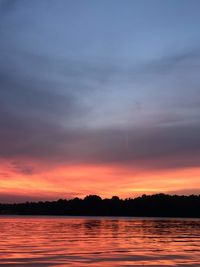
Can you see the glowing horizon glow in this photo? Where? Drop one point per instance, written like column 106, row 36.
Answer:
column 69, row 181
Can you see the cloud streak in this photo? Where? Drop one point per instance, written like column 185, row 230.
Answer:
column 39, row 122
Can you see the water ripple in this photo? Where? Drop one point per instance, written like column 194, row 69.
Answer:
column 80, row 242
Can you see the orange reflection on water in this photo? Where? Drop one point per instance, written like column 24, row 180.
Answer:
column 52, row 241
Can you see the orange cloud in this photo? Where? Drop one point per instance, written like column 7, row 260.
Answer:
column 65, row 181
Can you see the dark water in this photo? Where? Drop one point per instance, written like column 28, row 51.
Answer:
column 53, row 241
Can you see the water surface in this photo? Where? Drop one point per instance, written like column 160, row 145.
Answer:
column 83, row 241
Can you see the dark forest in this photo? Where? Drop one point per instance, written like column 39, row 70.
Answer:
column 158, row 205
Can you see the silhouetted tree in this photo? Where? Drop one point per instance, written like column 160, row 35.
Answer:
column 159, row 205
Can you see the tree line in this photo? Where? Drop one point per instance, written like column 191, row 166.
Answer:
column 158, row 205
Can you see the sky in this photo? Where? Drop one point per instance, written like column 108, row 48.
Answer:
column 99, row 97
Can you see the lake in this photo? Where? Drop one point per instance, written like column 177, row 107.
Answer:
column 84, row 241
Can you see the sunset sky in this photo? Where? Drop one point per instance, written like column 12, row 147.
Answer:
column 99, row 97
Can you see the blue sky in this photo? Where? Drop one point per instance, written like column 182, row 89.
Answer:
column 107, row 81
column 118, row 64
